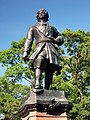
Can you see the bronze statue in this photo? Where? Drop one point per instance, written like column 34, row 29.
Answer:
column 46, row 57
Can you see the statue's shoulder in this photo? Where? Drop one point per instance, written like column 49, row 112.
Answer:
column 50, row 26
column 31, row 28
column 53, row 28
column 35, row 25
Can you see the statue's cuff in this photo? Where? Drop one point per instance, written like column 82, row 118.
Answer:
column 25, row 54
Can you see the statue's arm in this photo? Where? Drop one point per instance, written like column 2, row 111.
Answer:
column 28, row 43
column 59, row 40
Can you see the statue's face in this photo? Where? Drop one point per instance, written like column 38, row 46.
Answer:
column 42, row 14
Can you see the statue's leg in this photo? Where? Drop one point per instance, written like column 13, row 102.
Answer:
column 38, row 68
column 38, row 73
column 48, row 78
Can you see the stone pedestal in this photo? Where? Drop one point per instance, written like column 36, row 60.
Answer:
column 45, row 105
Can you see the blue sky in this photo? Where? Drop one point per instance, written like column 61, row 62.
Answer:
column 16, row 16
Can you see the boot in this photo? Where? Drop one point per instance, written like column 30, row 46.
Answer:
column 38, row 73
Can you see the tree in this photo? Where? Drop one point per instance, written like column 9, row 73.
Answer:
column 75, row 75
column 11, row 91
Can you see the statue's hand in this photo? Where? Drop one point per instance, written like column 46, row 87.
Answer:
column 26, row 59
column 59, row 40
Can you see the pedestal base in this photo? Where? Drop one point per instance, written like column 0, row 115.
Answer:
column 45, row 105
column 44, row 116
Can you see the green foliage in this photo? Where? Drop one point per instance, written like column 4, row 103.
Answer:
column 12, row 93
column 75, row 75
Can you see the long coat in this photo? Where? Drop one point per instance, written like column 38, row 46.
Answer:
column 45, row 38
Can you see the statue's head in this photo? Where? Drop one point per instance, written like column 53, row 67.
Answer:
column 42, row 14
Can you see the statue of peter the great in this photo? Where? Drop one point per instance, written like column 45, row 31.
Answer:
column 46, row 57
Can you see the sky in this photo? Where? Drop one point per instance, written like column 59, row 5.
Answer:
column 16, row 16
